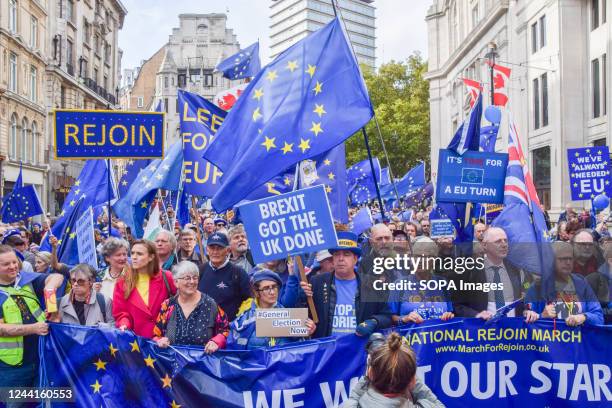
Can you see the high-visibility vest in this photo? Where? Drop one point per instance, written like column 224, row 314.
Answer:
column 11, row 348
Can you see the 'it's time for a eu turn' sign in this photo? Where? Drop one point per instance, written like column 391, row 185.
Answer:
column 96, row 134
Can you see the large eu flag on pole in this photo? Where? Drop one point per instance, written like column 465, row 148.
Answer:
column 243, row 64
column 307, row 101
column 21, row 203
column 360, row 180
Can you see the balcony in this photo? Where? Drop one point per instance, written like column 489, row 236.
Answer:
column 100, row 90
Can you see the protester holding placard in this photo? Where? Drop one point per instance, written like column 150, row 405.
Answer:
column 140, row 292
column 337, row 295
column 266, row 287
column 565, row 295
column 191, row 317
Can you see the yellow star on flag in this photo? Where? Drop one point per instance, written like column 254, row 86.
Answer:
column 77, row 183
column 304, row 144
column 100, row 365
column 319, row 110
column 318, row 88
column 271, row 75
column 72, row 203
column 134, row 345
column 62, row 213
column 599, row 152
column 59, row 242
column 72, row 235
column 174, row 404
column 316, row 128
column 167, row 382
column 577, row 154
column 256, row 114
column 287, row 148
column 144, row 204
column 149, row 361
column 77, row 191
column 112, row 349
column 292, row 65
column 331, row 176
column 96, row 387
column 327, row 162
column 328, row 189
column 258, row 94
column 287, row 181
column 311, row 70
column 588, row 150
column 575, row 184
column 268, row 143
column 580, row 195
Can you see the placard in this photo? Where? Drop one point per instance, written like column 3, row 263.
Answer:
column 281, row 322
column 441, row 228
column 589, row 171
column 101, row 134
column 86, row 242
column 289, row 224
column 476, row 177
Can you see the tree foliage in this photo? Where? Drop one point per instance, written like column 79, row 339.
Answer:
column 401, row 101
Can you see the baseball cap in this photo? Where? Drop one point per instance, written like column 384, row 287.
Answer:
column 218, row 239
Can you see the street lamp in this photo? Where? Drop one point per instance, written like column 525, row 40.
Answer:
column 490, row 56
column 64, row 185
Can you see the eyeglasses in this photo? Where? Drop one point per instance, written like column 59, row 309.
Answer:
column 78, row 282
column 190, row 278
column 268, row 289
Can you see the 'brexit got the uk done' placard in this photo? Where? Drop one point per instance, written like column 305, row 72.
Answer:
column 87, row 134
column 476, row 177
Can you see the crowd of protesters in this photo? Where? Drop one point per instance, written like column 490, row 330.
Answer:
column 198, row 285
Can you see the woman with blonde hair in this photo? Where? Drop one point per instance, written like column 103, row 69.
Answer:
column 391, row 380
column 140, row 292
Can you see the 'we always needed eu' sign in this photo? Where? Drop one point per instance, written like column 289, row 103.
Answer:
column 589, row 171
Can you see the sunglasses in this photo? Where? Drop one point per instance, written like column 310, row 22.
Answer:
column 78, row 282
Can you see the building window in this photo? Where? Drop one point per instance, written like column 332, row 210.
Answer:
column 86, row 31
column 536, row 103
column 13, row 72
column 600, row 142
column 105, row 82
column 603, row 11
column 13, row 16
column 166, row 105
column 595, row 14
column 33, row 84
column 534, row 37
column 70, row 10
column 107, row 53
column 34, row 150
column 541, row 174
column 475, row 17
column 165, row 81
column 140, row 102
column 62, row 97
column 24, row 140
column 70, row 57
column 595, row 87
column 604, row 84
column 544, row 85
column 543, row 31
column 13, row 138
column 34, row 32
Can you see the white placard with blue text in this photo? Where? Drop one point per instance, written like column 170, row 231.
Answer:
column 442, row 228
column 289, row 224
column 86, row 242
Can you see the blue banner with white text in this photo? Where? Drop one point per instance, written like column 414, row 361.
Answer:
column 466, row 362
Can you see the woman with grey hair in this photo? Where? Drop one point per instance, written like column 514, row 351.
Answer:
column 191, row 317
column 83, row 305
column 115, row 254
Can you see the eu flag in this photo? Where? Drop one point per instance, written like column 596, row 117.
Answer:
column 307, row 101
column 280, row 184
column 130, row 173
column 160, row 174
column 89, row 190
column 467, row 136
column 360, row 181
column 409, row 183
column 243, row 64
column 21, row 203
column 330, row 171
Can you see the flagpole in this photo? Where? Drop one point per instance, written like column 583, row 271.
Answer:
column 380, row 202
column 108, row 180
column 382, row 142
column 198, row 235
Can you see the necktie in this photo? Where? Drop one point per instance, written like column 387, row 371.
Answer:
column 499, row 294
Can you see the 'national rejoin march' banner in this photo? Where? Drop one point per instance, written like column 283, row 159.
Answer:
column 466, row 362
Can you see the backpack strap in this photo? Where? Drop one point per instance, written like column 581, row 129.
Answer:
column 102, row 304
column 165, row 278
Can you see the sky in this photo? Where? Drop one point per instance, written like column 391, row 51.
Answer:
column 400, row 25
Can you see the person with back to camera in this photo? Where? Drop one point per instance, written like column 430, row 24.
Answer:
column 391, row 381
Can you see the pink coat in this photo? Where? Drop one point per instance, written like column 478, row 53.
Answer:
column 133, row 312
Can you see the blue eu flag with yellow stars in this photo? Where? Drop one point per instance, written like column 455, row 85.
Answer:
column 243, row 64
column 21, row 203
column 307, row 101
column 160, row 174
column 130, row 173
column 408, row 184
column 89, row 190
column 360, row 181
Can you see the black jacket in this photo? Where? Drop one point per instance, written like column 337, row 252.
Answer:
column 470, row 303
column 324, row 296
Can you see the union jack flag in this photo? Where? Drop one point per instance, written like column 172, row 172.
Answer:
column 519, row 184
column 474, row 88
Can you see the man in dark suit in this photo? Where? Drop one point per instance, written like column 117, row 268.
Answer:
column 482, row 304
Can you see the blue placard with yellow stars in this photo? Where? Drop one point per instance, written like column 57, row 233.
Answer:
column 589, row 171
column 100, row 134
column 307, row 101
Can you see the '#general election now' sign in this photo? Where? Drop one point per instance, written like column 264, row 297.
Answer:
column 589, row 171
column 476, row 177
column 87, row 134
column 289, row 224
